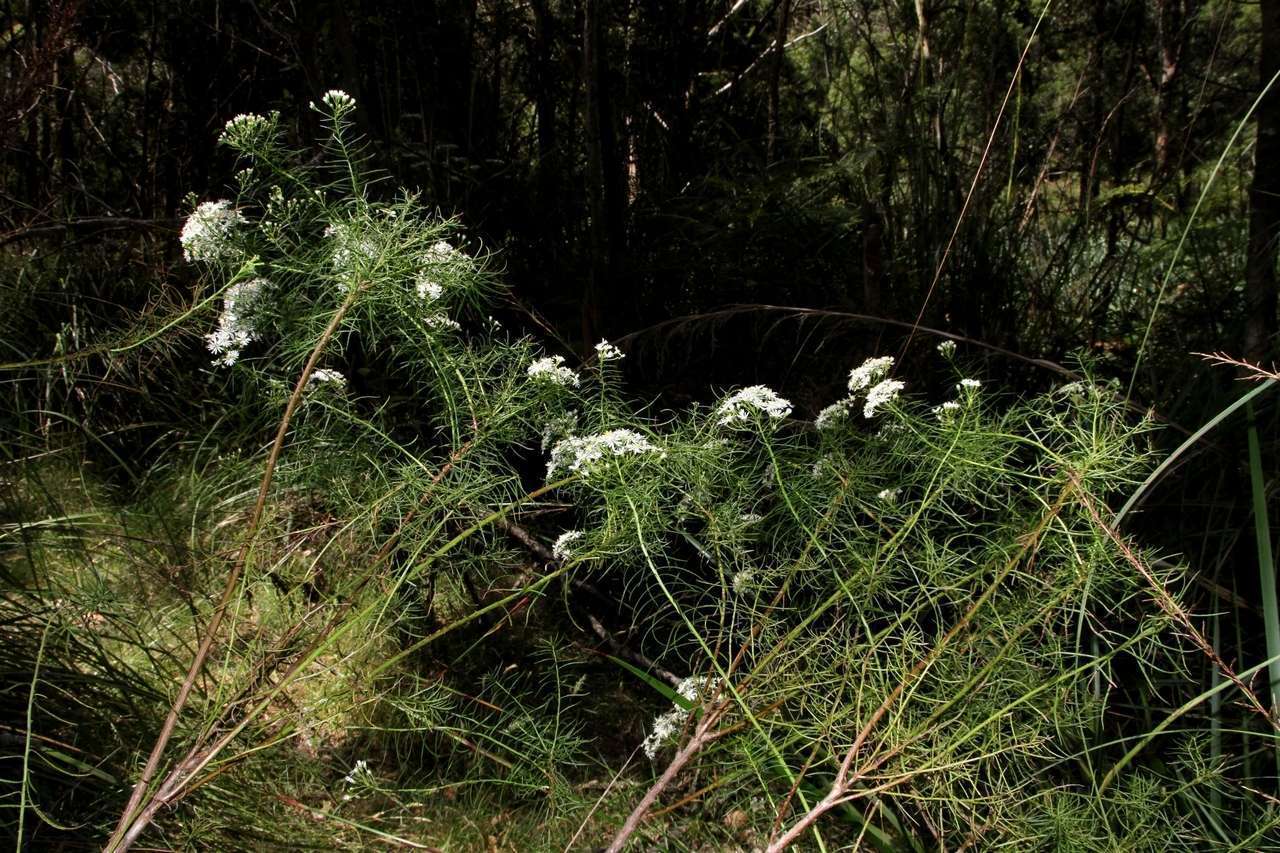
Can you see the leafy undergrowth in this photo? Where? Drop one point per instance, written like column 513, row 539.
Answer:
column 418, row 582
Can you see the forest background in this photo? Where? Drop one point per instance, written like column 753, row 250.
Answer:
column 734, row 192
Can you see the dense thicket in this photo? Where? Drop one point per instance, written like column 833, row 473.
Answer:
column 734, row 192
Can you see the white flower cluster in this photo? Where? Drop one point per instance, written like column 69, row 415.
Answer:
column 870, row 376
column 559, row 425
column 359, row 777
column 236, row 324
column 428, row 289
column 869, row 373
column 358, row 773
column 946, row 410
column 824, row 464
column 560, row 549
column 580, row 455
column 882, row 393
column 280, row 211
column 440, row 251
column 322, row 376
column 338, row 101
column 606, row 351
column 740, row 407
column 967, row 388
column 947, row 349
column 351, row 249
column 551, row 371
column 437, row 254
column 837, row 412
column 668, row 725
column 206, row 235
column 889, row 496
column 1080, row 391
column 441, row 321
column 245, row 130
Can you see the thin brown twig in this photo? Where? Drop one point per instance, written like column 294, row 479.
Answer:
column 845, row 779
column 117, row 840
column 977, row 174
column 703, row 733
column 179, row 781
column 1172, row 609
column 1248, row 370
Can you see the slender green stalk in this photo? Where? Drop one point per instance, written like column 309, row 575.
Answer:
column 26, row 743
column 1177, row 251
column 1266, row 565
column 1138, row 493
column 1170, row 719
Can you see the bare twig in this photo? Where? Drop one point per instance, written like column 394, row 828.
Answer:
column 1248, row 370
column 126, row 828
column 1172, row 609
column 704, row 731
column 842, row 787
column 84, row 223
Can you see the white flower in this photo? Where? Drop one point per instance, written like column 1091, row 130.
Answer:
column 324, row 375
column 885, row 392
column 243, row 130
column 440, row 321
column 946, row 409
column 206, row 233
column 968, row 385
column 824, row 463
column 1079, row 391
column 690, row 688
column 665, row 727
column 359, row 773
column 236, row 325
column 551, row 371
column 869, row 372
column 428, row 290
column 751, row 518
column 440, row 252
column 742, row 581
column 947, row 349
column 581, row 454
column 757, row 398
column 606, row 351
column 835, row 413
column 352, row 250
column 560, row 550
column 338, row 100
column 889, row 496
column 668, row 725
column 560, row 425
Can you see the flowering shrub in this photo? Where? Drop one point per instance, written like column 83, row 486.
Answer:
column 940, row 561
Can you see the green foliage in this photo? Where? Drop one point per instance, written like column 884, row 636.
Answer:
column 402, row 656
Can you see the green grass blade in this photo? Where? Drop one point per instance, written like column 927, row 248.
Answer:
column 1187, row 445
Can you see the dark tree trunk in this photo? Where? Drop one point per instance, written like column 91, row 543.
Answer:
column 545, row 109
column 775, row 77
column 1171, row 36
column 595, row 169
column 606, row 185
column 1264, row 201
